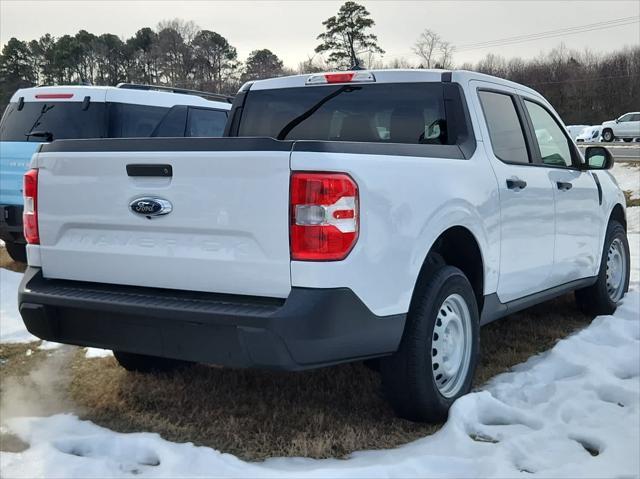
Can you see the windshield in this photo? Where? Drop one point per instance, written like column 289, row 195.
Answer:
column 55, row 120
column 390, row 113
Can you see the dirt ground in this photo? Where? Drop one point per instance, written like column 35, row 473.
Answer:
column 253, row 414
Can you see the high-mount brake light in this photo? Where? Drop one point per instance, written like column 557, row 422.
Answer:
column 30, row 212
column 340, row 77
column 54, row 96
column 324, row 216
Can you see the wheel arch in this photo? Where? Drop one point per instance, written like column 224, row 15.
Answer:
column 618, row 214
column 456, row 246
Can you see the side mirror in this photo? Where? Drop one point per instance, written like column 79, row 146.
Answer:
column 598, row 158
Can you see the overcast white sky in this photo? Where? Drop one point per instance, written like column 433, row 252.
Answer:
column 289, row 28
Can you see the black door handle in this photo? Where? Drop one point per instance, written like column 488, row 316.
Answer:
column 564, row 185
column 150, row 170
column 516, row 184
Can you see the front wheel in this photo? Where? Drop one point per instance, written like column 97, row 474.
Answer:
column 438, row 353
column 613, row 278
column 607, row 135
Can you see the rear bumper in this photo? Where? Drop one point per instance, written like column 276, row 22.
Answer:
column 11, row 223
column 311, row 328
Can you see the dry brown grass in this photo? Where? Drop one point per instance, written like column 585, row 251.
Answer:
column 324, row 413
column 7, row 263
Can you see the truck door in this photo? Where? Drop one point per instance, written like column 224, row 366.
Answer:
column 525, row 192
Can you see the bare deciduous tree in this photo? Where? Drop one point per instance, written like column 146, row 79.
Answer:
column 426, row 48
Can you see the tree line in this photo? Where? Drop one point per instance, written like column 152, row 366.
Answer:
column 584, row 87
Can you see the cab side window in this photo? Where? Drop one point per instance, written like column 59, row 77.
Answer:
column 505, row 129
column 553, row 143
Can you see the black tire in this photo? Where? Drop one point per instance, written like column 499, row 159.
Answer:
column 407, row 376
column 148, row 364
column 628, row 140
column 608, row 136
column 17, row 251
column 595, row 299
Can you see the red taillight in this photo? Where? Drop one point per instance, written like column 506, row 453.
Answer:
column 324, row 216
column 54, row 96
column 30, row 215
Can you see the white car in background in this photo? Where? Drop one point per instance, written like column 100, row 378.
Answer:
column 627, row 127
column 590, row 134
column 575, row 130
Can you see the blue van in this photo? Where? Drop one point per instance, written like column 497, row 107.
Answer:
column 43, row 114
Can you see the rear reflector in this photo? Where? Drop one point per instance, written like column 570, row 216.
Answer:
column 30, row 214
column 324, row 216
column 340, row 77
column 53, row 96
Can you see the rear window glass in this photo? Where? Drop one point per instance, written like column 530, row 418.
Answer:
column 63, row 120
column 390, row 113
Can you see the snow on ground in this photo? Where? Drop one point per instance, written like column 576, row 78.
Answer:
column 628, row 177
column 97, row 353
column 572, row 411
column 12, row 328
column 633, row 219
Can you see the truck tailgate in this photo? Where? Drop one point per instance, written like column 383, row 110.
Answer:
column 227, row 231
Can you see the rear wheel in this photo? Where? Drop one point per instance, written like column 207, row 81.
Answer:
column 613, row 278
column 438, row 353
column 148, row 364
column 607, row 135
column 17, row 251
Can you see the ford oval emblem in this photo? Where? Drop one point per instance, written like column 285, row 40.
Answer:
column 150, row 206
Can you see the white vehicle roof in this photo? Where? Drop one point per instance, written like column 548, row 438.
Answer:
column 395, row 76
column 101, row 94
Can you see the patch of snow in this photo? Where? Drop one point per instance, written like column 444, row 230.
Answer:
column 633, row 219
column 572, row 411
column 49, row 345
column 628, row 177
column 12, row 329
column 97, row 353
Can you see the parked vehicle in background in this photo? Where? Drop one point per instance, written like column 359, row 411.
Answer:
column 43, row 114
column 590, row 134
column 575, row 130
column 626, row 128
column 380, row 214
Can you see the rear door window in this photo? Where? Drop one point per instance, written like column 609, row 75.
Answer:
column 505, row 128
column 62, row 120
column 410, row 113
column 205, row 122
column 134, row 121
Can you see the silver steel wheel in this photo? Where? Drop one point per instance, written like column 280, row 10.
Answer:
column 616, row 270
column 451, row 345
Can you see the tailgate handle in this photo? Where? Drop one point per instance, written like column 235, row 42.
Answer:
column 150, row 170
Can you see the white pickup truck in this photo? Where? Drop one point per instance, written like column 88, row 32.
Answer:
column 346, row 216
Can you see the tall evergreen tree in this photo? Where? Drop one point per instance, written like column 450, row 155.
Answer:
column 346, row 37
column 262, row 64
